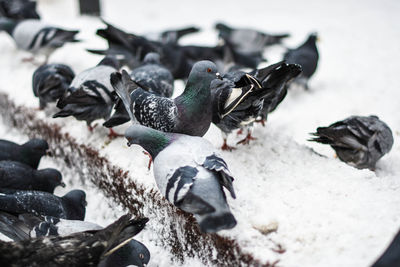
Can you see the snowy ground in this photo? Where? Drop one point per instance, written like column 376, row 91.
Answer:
column 326, row 213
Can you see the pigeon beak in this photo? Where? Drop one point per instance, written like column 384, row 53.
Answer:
column 219, row 76
column 62, row 184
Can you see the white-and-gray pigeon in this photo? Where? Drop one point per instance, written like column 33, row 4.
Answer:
column 190, row 174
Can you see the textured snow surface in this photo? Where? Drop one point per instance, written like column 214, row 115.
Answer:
column 325, row 212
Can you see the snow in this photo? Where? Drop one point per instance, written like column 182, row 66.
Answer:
column 325, row 212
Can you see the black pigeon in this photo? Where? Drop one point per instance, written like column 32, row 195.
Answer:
column 178, row 59
column 189, row 174
column 29, row 153
column 190, row 113
column 248, row 41
column 151, row 76
column 71, row 206
column 27, row 226
column 306, row 55
column 79, row 249
column 391, row 256
column 50, row 82
column 90, row 94
column 36, row 37
column 358, row 141
column 172, row 36
column 18, row 9
column 19, row 176
column 240, row 98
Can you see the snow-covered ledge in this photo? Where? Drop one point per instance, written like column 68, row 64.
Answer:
column 174, row 228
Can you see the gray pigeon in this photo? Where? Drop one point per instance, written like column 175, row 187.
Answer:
column 358, row 141
column 306, row 55
column 50, row 82
column 90, row 94
column 29, row 153
column 240, row 98
column 190, row 113
column 71, row 206
column 79, row 249
column 37, row 37
column 248, row 41
column 19, row 176
column 151, row 76
column 189, row 174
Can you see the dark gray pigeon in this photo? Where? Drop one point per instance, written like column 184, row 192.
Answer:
column 151, row 76
column 37, row 37
column 189, row 174
column 29, row 153
column 240, row 98
column 27, row 226
column 172, row 36
column 71, row 206
column 391, row 256
column 248, row 41
column 18, row 9
column 306, row 55
column 50, row 82
column 90, row 94
column 190, row 113
column 19, row 176
column 358, row 141
column 79, row 249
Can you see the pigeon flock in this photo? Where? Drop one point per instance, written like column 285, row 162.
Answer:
column 134, row 83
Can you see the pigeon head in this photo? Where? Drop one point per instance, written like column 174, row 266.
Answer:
column 75, row 200
column 109, row 61
column 51, row 177
column 223, row 28
column 152, row 58
column 133, row 253
column 312, row 38
column 37, row 146
column 201, row 75
column 151, row 140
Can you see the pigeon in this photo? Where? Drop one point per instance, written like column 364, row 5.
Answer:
column 79, row 249
column 90, row 94
column 248, row 41
column 178, row 59
column 190, row 113
column 50, row 82
column 306, row 55
column 17, row 175
column 71, row 206
column 29, row 153
column 391, row 256
column 151, row 76
column 172, row 36
column 359, row 141
column 18, row 9
column 28, row 226
column 240, row 98
column 37, row 37
column 189, row 174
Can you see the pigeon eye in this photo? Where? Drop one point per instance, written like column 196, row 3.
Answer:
column 141, row 256
column 209, row 70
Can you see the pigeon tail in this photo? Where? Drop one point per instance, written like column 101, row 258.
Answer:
column 123, row 85
column 215, row 222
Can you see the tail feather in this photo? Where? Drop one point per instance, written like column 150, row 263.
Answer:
column 123, row 85
column 215, row 222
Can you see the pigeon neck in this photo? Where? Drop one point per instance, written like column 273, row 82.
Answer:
column 197, row 94
column 7, row 25
column 155, row 141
